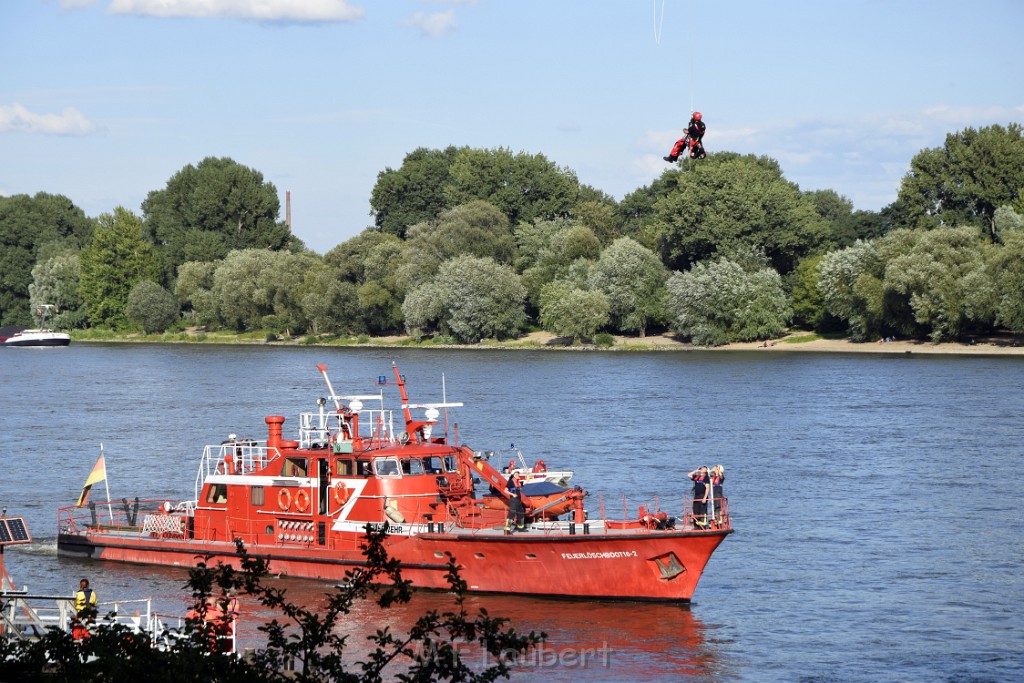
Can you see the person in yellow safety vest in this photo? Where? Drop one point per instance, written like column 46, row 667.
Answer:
column 85, row 610
column 85, row 600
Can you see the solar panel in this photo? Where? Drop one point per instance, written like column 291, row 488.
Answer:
column 13, row 531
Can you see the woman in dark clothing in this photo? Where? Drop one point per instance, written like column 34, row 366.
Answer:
column 717, row 497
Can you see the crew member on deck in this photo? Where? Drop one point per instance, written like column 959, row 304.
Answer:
column 516, row 510
column 701, row 489
column 717, row 496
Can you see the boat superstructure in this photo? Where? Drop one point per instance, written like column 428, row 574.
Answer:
column 305, row 503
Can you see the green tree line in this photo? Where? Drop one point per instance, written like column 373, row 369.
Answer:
column 470, row 244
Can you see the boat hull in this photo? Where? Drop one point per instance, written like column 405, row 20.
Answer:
column 662, row 566
column 39, row 339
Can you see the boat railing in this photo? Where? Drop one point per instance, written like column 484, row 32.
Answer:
column 27, row 616
column 125, row 516
column 166, row 635
column 317, row 429
column 24, row 616
column 649, row 519
column 715, row 517
column 234, row 457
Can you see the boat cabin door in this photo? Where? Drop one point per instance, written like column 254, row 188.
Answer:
column 325, row 484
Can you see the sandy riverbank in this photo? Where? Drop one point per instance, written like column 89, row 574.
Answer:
column 988, row 346
column 799, row 342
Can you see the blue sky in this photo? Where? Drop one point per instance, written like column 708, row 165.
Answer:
column 104, row 100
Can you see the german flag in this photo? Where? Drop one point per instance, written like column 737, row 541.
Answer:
column 98, row 474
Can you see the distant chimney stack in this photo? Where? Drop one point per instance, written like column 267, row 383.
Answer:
column 288, row 209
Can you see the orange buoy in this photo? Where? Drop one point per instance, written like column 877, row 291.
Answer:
column 301, row 500
column 341, row 493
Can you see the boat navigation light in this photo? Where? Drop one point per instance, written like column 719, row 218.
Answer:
column 356, row 405
column 432, row 414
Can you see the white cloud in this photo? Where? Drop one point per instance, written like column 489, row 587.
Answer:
column 968, row 116
column 259, row 10
column 433, row 25
column 15, row 117
column 76, row 4
column 649, row 166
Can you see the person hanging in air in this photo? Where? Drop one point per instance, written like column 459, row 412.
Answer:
column 692, row 140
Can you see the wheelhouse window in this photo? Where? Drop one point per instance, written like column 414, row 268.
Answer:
column 451, row 463
column 344, row 467
column 412, row 466
column 433, row 465
column 256, row 496
column 295, row 467
column 218, row 494
column 364, row 468
column 386, row 467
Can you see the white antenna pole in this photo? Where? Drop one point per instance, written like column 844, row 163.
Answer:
column 444, row 399
column 323, row 370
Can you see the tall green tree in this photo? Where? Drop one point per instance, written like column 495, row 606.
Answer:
column 844, row 225
column 728, row 203
column 569, row 311
column 967, row 179
column 57, row 281
column 851, row 287
column 471, row 298
column 27, row 225
column 809, row 308
column 1007, row 268
column 262, row 289
column 350, row 257
column 633, row 280
column 943, row 275
column 116, row 259
column 152, row 307
column 194, row 289
column 330, row 304
column 639, row 213
column 524, row 186
column 600, row 215
column 557, row 254
column 476, row 228
column 413, row 193
column 212, row 208
column 719, row 302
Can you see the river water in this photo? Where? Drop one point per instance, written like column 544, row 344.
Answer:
column 876, row 499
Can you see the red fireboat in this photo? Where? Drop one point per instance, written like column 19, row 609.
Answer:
column 304, row 505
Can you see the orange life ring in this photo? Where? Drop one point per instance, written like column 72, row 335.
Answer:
column 284, row 499
column 341, row 493
column 301, row 500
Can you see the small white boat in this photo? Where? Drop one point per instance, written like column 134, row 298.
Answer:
column 41, row 336
column 536, row 473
